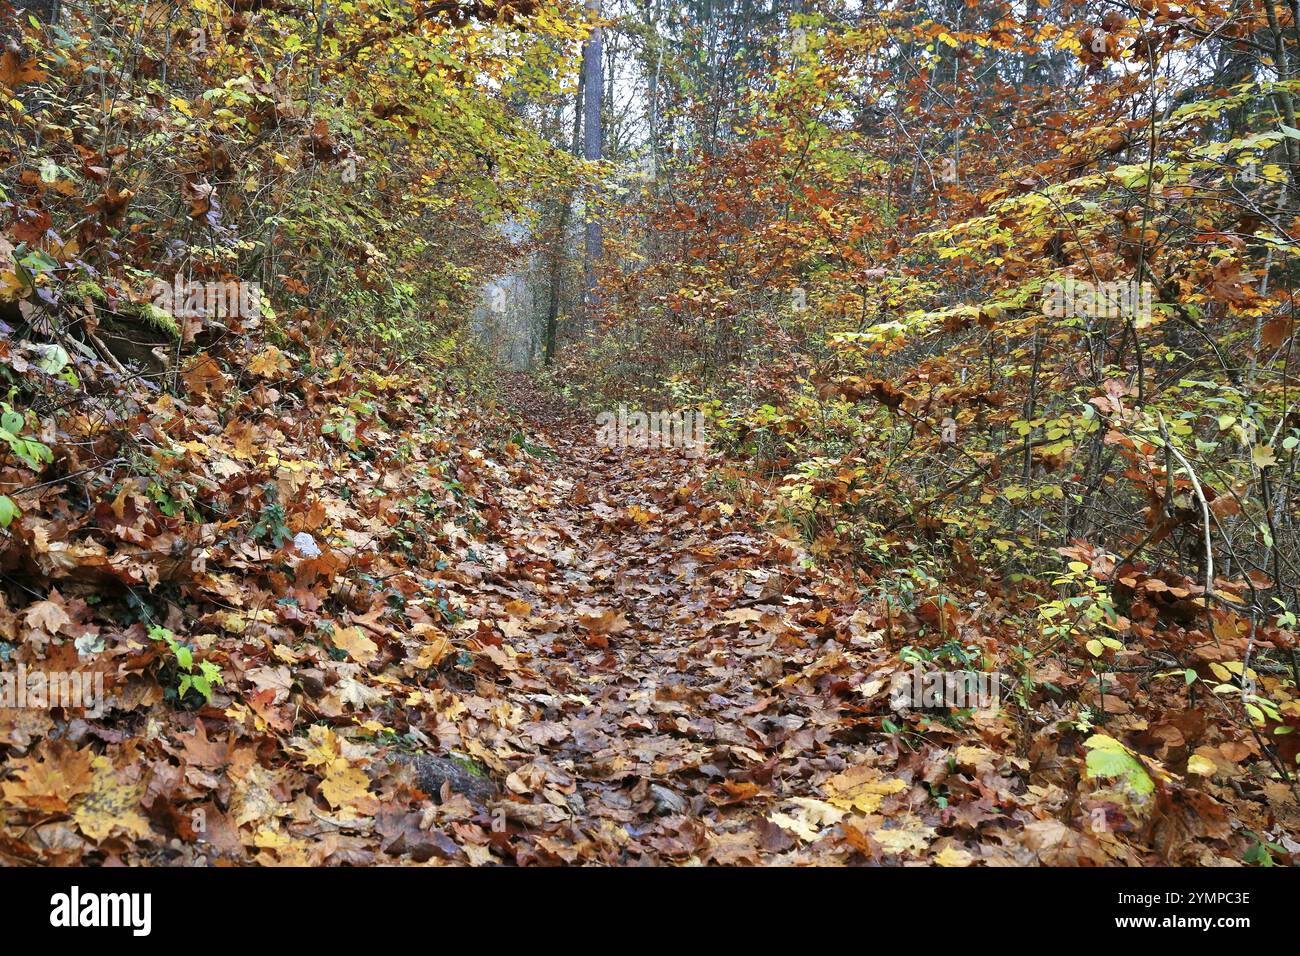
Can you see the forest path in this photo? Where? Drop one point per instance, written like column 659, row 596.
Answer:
column 702, row 693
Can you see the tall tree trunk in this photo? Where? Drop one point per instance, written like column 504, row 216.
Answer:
column 561, row 238
column 593, row 80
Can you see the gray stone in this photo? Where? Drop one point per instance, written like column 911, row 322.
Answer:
column 666, row 801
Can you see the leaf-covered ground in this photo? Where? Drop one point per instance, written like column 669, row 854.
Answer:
column 611, row 645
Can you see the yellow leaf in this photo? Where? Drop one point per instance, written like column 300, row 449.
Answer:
column 50, row 784
column 861, row 788
column 951, row 856
column 433, row 653
column 269, row 838
column 323, row 747
column 112, row 803
column 354, row 641
column 807, row 818
column 270, row 363
column 1200, row 766
column 344, row 785
column 252, row 800
column 904, row 841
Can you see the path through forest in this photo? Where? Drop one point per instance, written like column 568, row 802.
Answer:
column 705, row 696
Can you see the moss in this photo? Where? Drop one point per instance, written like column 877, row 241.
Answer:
column 152, row 316
column 155, row 318
column 85, row 289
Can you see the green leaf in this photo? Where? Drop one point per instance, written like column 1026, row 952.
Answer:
column 211, row 672
column 8, row 511
column 203, row 686
column 1107, row 757
column 53, row 359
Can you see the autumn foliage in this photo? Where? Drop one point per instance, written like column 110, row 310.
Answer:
column 989, row 310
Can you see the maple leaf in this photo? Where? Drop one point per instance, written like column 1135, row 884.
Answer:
column 113, row 803
column 52, row 781
column 47, row 618
column 253, row 800
column 807, row 817
column 355, row 694
column 16, row 72
column 1263, row 456
column 861, row 788
column 201, row 751
column 203, row 376
column 1056, row 844
column 269, row 363
column 275, row 679
column 436, row 646
column 344, row 785
column 912, row 838
column 323, row 747
column 952, row 856
column 1277, row 330
column 355, row 643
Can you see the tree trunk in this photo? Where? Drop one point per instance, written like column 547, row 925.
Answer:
column 558, row 246
column 593, row 80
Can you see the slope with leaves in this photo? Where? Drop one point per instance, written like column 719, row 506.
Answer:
column 606, row 636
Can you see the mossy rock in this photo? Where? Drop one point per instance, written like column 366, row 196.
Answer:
column 462, row 776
